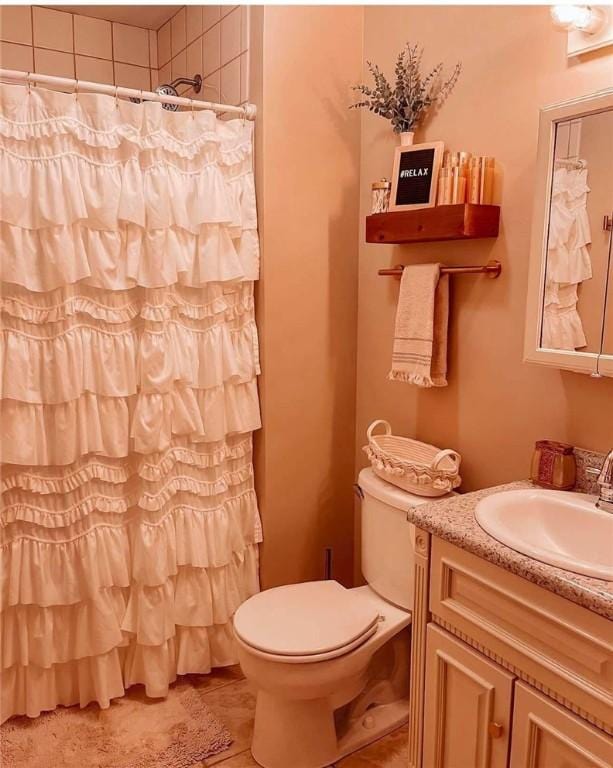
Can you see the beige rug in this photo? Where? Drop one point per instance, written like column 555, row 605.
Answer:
column 135, row 732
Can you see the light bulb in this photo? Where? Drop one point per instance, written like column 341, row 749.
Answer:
column 583, row 18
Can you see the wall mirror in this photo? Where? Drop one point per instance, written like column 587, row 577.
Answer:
column 569, row 318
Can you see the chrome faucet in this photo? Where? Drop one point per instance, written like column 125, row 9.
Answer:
column 605, row 484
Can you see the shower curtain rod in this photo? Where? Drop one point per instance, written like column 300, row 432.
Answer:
column 248, row 111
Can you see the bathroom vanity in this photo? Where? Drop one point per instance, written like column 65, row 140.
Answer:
column 512, row 659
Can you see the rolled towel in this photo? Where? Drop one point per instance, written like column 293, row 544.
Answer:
column 420, row 338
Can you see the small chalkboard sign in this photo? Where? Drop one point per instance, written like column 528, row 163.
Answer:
column 415, row 176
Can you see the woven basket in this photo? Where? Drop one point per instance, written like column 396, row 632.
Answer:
column 413, row 466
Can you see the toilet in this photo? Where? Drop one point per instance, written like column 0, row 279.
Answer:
column 331, row 665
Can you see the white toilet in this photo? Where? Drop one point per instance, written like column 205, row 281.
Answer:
column 331, row 665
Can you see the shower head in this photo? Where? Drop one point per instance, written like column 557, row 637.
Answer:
column 170, row 89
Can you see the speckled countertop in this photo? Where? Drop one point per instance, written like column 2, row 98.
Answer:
column 454, row 520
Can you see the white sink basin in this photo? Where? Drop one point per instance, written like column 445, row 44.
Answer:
column 555, row 527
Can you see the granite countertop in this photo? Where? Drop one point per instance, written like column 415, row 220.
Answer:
column 454, row 520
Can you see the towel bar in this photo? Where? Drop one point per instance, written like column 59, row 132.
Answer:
column 492, row 269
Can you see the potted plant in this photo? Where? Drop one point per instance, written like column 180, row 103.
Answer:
column 407, row 103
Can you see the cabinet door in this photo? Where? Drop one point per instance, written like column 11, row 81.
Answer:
column 547, row 735
column 467, row 708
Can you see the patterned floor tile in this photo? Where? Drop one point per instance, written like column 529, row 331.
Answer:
column 389, row 752
column 244, row 760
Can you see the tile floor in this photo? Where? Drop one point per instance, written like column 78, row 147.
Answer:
column 231, row 698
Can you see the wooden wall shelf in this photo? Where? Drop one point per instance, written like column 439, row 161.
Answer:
column 442, row 222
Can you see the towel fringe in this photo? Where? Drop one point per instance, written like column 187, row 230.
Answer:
column 411, row 377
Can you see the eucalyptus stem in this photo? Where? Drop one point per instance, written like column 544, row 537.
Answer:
column 407, row 103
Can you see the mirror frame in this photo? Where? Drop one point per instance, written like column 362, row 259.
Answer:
column 605, row 359
column 571, row 360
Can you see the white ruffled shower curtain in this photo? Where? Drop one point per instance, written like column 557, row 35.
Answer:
column 128, row 360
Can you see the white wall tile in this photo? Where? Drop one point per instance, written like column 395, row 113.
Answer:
column 211, row 88
column 210, row 15
column 94, row 70
column 245, row 11
column 92, row 37
column 177, row 32
column 164, row 52
column 56, row 63
column 13, row 56
column 16, row 24
column 211, row 50
column 130, row 76
column 230, row 36
column 153, row 49
column 131, row 44
column 52, row 29
column 194, row 58
column 231, row 82
column 193, row 22
column 244, row 64
column 164, row 75
column 178, row 66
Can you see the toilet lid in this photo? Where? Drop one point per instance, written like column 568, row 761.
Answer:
column 316, row 617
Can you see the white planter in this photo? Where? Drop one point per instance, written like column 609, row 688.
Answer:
column 406, row 138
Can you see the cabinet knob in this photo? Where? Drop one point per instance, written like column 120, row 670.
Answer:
column 495, row 730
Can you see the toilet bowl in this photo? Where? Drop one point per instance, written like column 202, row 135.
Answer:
column 299, row 690
column 330, row 664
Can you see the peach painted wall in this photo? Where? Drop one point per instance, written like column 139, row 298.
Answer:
column 307, row 165
column 495, row 406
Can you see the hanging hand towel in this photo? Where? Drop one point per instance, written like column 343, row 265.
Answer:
column 420, row 339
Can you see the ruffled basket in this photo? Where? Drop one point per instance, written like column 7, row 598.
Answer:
column 416, row 467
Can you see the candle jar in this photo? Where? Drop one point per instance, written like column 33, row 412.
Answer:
column 381, row 196
column 553, row 465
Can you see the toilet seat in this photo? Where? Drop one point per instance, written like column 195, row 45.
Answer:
column 303, row 623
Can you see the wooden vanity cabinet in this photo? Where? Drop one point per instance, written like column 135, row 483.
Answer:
column 478, row 715
column 513, row 676
column 547, row 735
column 468, row 706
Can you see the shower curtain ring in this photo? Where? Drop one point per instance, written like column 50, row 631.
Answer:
column 76, row 90
column 116, row 97
column 29, row 83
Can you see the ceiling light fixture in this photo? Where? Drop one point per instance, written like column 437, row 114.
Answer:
column 587, row 19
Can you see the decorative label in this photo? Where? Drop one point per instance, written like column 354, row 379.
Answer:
column 415, row 177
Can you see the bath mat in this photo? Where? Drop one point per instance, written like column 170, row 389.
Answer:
column 134, row 732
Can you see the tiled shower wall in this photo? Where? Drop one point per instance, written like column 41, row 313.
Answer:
column 52, row 42
column 210, row 40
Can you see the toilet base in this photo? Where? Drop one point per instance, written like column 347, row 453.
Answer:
column 376, row 723
column 312, row 714
column 319, row 746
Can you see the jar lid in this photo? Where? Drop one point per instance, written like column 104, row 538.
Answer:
column 554, row 446
column 383, row 184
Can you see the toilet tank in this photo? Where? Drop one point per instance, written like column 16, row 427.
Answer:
column 388, row 539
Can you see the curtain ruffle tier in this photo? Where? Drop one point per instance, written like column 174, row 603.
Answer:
column 568, row 260
column 128, row 365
